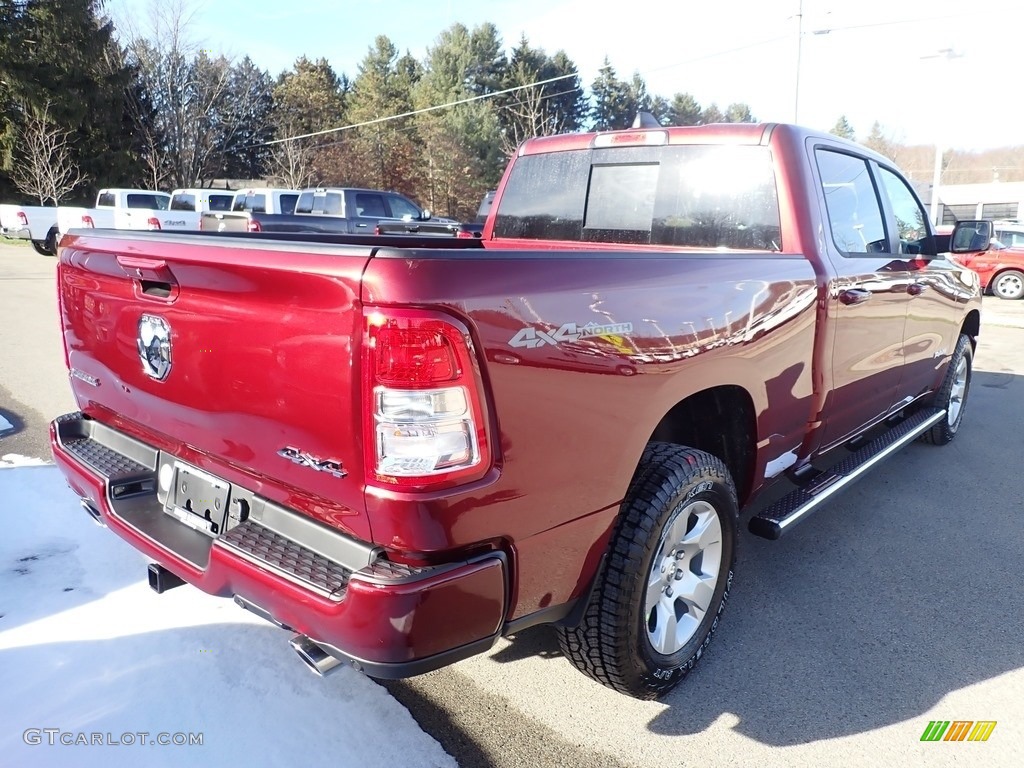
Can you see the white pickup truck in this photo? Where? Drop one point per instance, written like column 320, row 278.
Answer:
column 147, row 210
column 31, row 222
column 117, row 209
column 272, row 200
column 188, row 206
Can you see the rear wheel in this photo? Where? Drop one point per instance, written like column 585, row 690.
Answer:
column 40, row 247
column 1009, row 285
column 952, row 395
column 666, row 577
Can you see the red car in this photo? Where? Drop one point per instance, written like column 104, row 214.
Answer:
column 1001, row 269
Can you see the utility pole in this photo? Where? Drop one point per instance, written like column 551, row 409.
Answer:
column 948, row 54
column 799, row 52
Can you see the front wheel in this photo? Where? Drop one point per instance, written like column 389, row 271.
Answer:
column 1009, row 285
column 952, row 395
column 666, row 577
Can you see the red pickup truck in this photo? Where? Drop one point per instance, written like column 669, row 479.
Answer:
column 403, row 449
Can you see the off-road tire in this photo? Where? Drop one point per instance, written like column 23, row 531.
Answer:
column 611, row 642
column 951, row 393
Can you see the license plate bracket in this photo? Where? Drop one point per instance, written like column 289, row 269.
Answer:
column 198, row 499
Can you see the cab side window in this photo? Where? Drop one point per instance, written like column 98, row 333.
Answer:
column 401, row 208
column 305, row 203
column 911, row 221
column 854, row 212
column 288, row 203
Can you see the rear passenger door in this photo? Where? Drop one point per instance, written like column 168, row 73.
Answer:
column 867, row 295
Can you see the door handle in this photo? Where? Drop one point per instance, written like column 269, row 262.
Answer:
column 916, row 289
column 854, row 296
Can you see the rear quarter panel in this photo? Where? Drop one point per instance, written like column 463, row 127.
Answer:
column 570, row 420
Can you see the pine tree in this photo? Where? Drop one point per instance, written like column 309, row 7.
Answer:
column 460, row 151
column 739, row 113
column 684, row 110
column 60, row 55
column 383, row 154
column 613, row 101
column 308, row 98
column 843, row 129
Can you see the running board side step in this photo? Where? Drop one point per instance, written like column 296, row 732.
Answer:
column 775, row 520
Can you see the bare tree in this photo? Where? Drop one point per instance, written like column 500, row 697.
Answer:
column 44, row 166
column 528, row 115
column 291, row 164
column 193, row 111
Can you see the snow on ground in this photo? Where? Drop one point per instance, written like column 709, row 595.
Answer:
column 14, row 460
column 87, row 648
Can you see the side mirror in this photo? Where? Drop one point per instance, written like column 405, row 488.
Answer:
column 426, row 214
column 971, row 236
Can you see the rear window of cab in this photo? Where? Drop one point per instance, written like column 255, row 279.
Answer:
column 706, row 196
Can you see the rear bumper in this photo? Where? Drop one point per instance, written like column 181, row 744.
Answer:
column 22, row 233
column 391, row 620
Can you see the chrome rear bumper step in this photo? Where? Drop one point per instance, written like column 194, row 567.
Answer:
column 776, row 519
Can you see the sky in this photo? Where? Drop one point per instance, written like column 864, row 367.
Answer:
column 87, row 647
column 871, row 60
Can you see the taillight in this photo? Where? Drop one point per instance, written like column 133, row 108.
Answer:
column 153, row 222
column 376, row 230
column 23, row 218
column 425, row 425
column 465, row 234
column 88, row 222
column 200, row 223
column 253, row 226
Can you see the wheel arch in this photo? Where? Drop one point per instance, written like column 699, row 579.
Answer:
column 972, row 326
column 720, row 421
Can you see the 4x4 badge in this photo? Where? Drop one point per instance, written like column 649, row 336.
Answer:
column 304, row 459
column 531, row 337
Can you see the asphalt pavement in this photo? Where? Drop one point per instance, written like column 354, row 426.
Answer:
column 896, row 605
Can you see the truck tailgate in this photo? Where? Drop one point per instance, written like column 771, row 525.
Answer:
column 263, row 350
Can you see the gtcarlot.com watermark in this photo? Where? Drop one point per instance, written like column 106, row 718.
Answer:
column 55, row 736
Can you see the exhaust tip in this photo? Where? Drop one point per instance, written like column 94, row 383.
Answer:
column 93, row 513
column 314, row 656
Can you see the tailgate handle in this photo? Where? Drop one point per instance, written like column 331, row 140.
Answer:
column 152, row 277
column 150, row 270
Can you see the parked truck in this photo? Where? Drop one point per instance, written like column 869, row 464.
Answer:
column 337, row 210
column 247, row 203
column 401, row 451
column 117, row 209
column 35, row 223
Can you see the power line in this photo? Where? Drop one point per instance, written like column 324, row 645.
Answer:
column 411, row 128
column 421, row 111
